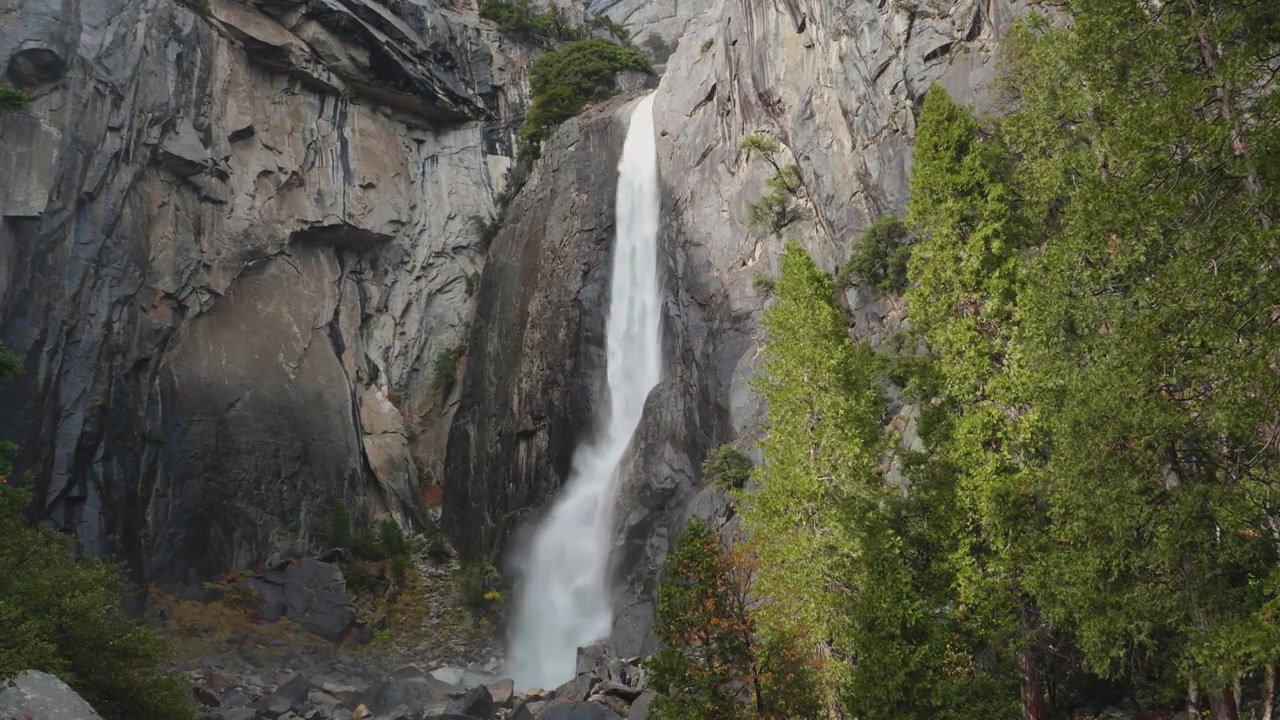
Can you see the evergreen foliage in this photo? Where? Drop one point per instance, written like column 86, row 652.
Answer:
column 774, row 208
column 726, row 469
column 1092, row 280
column 63, row 615
column 518, row 19
column 713, row 665
column 879, row 259
column 565, row 80
column 659, row 49
column 10, row 367
column 444, row 372
column 12, row 98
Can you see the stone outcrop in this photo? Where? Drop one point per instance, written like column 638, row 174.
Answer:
column 34, row 694
column 234, row 239
column 535, row 357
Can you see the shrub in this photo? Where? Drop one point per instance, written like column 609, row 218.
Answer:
column 726, row 469
column 659, row 50
column 444, row 372
column 762, row 283
column 239, row 596
column 400, row 566
column 12, row 99
column 10, row 367
column 63, row 616
column 563, row 82
column 518, row 19
column 486, row 229
column 437, row 548
column 473, row 282
column 705, row 46
column 339, row 527
column 393, row 540
column 477, row 583
column 773, row 209
column 619, row 33
column 880, row 258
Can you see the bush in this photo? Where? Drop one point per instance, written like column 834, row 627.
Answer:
column 518, row 19
column 619, row 33
column 762, row 283
column 63, row 616
column 726, row 469
column 659, row 50
column 10, row 367
column 339, row 527
column 773, row 209
column 705, row 46
column 393, row 540
column 879, row 260
column 563, row 82
column 478, row 584
column 486, row 229
column 444, row 373
column 12, row 99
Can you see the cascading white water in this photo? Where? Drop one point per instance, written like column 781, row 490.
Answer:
column 564, row 600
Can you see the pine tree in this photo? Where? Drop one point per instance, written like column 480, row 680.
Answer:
column 966, row 273
column 704, row 669
column 1148, row 340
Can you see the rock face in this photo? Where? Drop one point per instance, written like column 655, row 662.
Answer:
column 231, row 247
column 535, row 357
column 34, row 694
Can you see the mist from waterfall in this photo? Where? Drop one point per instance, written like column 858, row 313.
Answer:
column 564, row 600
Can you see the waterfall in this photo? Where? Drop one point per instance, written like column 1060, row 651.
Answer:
column 564, row 600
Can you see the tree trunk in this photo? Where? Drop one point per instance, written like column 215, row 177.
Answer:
column 1032, row 707
column 1238, row 147
column 1268, row 691
column 1224, row 705
column 1193, row 701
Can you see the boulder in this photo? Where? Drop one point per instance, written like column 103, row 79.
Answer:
column 390, row 694
column 477, row 702
column 234, row 698
column 618, row 690
column 527, row 709
column 502, row 692
column 578, row 688
column 640, row 708
column 35, row 694
column 308, row 592
column 287, row 697
column 592, row 658
column 566, row 710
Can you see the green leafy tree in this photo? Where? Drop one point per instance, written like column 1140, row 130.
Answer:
column 12, row 98
column 564, row 81
column 701, row 618
column 659, row 49
column 879, row 259
column 518, row 19
column 63, row 616
column 774, row 208
column 726, row 468
column 1145, row 320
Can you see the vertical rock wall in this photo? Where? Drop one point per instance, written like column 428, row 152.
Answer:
column 233, row 240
